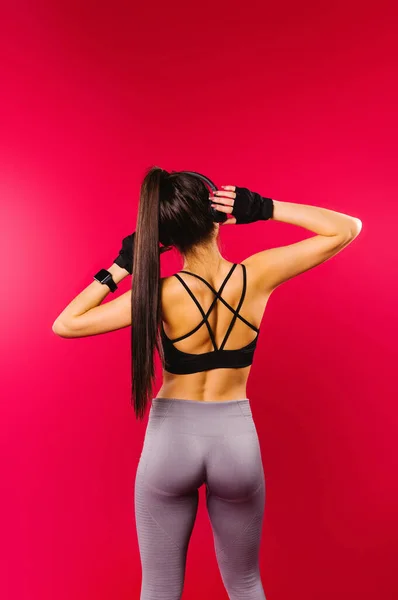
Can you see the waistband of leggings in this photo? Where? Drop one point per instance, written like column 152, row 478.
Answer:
column 198, row 408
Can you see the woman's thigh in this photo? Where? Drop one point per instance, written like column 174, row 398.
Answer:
column 166, row 501
column 235, row 497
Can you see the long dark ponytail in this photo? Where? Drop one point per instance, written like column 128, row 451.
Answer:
column 174, row 210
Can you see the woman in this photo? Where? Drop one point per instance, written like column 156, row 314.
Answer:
column 204, row 322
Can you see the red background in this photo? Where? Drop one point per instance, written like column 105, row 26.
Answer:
column 294, row 100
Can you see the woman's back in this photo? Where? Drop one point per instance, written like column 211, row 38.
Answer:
column 204, row 361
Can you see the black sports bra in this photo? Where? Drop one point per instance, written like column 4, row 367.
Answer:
column 179, row 362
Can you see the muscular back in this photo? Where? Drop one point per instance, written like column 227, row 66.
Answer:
column 181, row 315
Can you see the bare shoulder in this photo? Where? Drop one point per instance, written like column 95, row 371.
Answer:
column 169, row 294
column 168, row 284
column 255, row 274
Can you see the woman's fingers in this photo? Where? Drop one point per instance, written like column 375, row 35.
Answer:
column 226, row 198
column 223, row 201
column 223, row 204
column 226, row 193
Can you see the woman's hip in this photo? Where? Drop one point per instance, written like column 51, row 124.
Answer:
column 188, row 443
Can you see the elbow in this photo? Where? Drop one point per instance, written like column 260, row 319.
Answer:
column 356, row 227
column 348, row 234
column 60, row 329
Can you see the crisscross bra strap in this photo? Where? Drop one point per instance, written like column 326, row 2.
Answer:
column 222, row 299
column 217, row 297
column 205, row 315
column 232, row 323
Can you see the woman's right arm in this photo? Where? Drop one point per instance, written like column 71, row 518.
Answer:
column 334, row 231
column 322, row 221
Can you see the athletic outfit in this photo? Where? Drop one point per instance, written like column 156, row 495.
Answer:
column 189, row 443
column 182, row 362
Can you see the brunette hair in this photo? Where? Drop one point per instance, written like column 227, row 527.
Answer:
column 174, row 210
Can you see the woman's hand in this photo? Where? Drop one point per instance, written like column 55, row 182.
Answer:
column 126, row 255
column 225, row 199
column 245, row 206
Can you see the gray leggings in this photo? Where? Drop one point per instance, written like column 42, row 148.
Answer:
column 188, row 443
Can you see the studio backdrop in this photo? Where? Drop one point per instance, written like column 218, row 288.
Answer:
column 294, row 100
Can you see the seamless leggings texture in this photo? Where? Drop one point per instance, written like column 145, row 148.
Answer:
column 189, row 443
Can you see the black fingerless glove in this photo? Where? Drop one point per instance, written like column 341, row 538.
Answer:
column 126, row 254
column 250, row 206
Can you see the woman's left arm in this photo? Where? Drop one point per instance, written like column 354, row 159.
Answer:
column 85, row 315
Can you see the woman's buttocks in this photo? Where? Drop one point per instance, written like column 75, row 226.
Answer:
column 190, row 442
